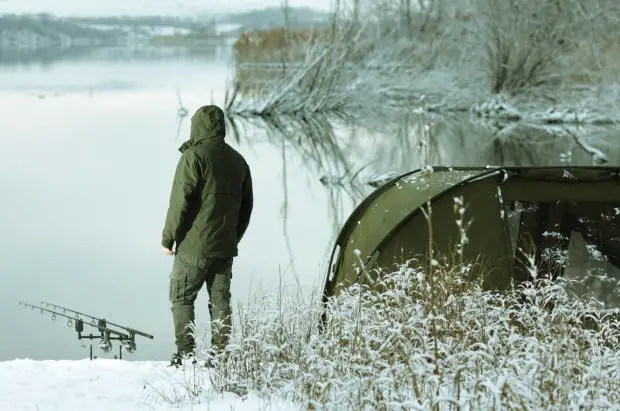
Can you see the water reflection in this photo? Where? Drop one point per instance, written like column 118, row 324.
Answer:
column 463, row 141
column 525, row 145
column 314, row 142
column 118, row 69
column 353, row 157
column 46, row 57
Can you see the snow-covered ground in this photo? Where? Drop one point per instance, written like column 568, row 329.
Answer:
column 107, row 385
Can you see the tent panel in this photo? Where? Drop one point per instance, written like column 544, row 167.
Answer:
column 488, row 233
column 387, row 212
column 547, row 191
column 566, row 174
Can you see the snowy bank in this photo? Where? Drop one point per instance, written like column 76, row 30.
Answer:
column 105, row 385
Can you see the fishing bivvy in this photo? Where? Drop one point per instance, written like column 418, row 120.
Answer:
column 508, row 208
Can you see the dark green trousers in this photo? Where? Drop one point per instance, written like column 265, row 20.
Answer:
column 188, row 276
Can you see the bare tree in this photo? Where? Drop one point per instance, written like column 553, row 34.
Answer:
column 523, row 41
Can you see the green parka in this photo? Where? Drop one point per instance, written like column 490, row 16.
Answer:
column 211, row 199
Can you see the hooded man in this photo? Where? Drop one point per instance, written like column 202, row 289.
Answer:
column 210, row 207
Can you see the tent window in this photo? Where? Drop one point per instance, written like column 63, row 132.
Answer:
column 551, row 231
column 599, row 225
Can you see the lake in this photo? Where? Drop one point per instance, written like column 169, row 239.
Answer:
column 87, row 154
column 88, row 148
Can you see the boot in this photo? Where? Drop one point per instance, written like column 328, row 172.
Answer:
column 216, row 356
column 179, row 359
column 176, row 360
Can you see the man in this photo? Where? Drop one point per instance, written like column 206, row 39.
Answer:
column 210, row 207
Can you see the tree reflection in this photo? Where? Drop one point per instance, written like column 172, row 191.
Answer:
column 535, row 145
column 317, row 143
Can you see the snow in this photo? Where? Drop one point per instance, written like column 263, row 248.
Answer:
column 106, row 384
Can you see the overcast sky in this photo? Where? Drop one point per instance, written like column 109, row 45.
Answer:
column 133, row 7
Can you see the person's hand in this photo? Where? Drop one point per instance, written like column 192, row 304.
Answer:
column 167, row 251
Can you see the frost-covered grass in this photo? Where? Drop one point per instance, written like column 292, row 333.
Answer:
column 383, row 56
column 426, row 339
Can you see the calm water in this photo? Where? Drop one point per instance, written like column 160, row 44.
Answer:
column 87, row 154
column 88, row 147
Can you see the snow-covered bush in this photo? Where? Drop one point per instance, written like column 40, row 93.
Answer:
column 521, row 42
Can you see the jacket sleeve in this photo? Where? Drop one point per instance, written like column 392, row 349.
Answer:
column 247, row 203
column 186, row 179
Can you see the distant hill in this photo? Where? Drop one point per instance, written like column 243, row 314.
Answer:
column 250, row 19
column 23, row 32
column 139, row 21
column 274, row 16
column 49, row 25
column 43, row 30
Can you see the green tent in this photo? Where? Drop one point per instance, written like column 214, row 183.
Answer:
column 508, row 209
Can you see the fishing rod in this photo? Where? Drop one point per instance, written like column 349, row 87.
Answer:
column 125, row 338
column 93, row 319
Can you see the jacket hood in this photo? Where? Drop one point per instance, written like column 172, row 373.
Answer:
column 208, row 122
